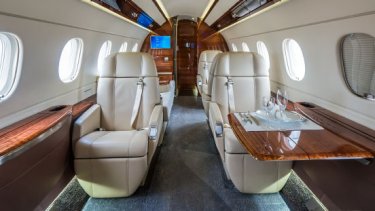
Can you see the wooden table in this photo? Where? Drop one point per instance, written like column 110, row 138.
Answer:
column 297, row 145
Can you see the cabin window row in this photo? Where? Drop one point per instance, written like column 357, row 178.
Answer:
column 293, row 57
column 11, row 53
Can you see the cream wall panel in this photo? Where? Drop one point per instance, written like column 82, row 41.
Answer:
column 40, row 86
column 323, row 83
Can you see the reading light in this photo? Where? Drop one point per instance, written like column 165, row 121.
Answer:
column 209, row 5
column 161, row 5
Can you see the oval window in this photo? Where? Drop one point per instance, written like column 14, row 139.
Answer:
column 245, row 47
column 10, row 63
column 124, row 47
column 70, row 60
column 263, row 51
column 135, row 48
column 234, row 47
column 294, row 60
column 358, row 61
column 105, row 50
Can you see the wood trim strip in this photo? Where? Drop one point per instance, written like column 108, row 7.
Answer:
column 26, row 130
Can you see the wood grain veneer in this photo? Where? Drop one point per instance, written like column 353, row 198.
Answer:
column 310, row 145
column 26, row 130
column 163, row 57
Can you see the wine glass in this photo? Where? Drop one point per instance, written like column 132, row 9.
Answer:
column 282, row 101
column 268, row 105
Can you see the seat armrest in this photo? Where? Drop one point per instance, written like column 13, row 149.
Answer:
column 216, row 120
column 88, row 122
column 156, row 122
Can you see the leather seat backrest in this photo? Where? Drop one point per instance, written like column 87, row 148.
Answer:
column 250, row 78
column 117, row 88
column 205, row 61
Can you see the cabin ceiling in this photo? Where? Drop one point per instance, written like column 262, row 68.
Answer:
column 184, row 7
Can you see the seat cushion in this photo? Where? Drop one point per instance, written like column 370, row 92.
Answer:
column 112, row 144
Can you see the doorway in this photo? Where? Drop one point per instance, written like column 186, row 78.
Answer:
column 187, row 57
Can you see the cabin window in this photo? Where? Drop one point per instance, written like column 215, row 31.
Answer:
column 10, row 63
column 263, row 51
column 135, row 48
column 234, row 47
column 124, row 47
column 245, row 47
column 293, row 59
column 105, row 50
column 70, row 60
column 358, row 61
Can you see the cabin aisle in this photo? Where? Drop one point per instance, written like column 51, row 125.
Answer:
column 188, row 174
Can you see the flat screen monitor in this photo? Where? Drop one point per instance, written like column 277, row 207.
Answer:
column 160, row 42
column 144, row 20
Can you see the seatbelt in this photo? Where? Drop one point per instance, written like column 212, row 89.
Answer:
column 230, row 95
column 137, row 103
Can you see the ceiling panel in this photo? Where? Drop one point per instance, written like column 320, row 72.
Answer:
column 221, row 7
column 150, row 8
column 191, row 8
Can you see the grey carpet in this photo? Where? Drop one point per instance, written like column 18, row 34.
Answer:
column 188, row 174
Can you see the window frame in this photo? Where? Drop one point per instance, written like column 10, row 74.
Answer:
column 104, row 51
column 234, row 48
column 123, row 47
column 75, row 59
column 11, row 64
column 263, row 51
column 294, row 59
column 135, row 47
column 245, row 47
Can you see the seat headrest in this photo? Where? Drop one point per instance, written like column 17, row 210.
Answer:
column 241, row 64
column 209, row 55
column 129, row 64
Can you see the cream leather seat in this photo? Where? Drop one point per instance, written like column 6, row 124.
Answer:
column 113, row 161
column 206, row 60
column 239, row 83
column 167, row 93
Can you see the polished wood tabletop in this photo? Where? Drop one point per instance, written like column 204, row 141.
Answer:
column 297, row 145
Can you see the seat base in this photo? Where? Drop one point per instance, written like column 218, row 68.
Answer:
column 111, row 177
column 252, row 176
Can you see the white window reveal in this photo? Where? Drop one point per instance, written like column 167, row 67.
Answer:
column 262, row 50
column 245, row 47
column 105, row 50
column 135, row 47
column 124, row 47
column 234, row 47
column 70, row 60
column 10, row 63
column 294, row 60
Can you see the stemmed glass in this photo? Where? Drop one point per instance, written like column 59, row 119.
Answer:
column 282, row 101
column 268, row 105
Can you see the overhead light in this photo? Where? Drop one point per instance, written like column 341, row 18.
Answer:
column 209, row 5
column 161, row 5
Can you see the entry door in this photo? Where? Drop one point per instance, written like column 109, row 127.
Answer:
column 186, row 57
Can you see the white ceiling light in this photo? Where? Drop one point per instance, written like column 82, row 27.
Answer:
column 161, row 5
column 209, row 5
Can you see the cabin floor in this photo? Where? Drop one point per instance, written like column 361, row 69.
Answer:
column 188, row 175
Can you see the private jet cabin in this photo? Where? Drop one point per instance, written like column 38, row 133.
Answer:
column 187, row 105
